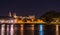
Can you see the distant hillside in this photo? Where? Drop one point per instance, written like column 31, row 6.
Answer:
column 49, row 15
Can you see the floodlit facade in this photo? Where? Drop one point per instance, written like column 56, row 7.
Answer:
column 24, row 25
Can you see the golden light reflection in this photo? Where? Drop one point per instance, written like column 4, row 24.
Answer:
column 21, row 29
column 57, row 30
column 32, row 27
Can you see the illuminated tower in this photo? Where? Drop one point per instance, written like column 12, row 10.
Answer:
column 14, row 15
column 10, row 15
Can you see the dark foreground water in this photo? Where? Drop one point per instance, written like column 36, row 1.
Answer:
column 26, row 29
column 49, row 30
column 46, row 30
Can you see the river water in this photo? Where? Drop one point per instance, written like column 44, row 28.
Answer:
column 49, row 30
column 27, row 29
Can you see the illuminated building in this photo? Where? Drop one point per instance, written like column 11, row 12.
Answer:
column 23, row 25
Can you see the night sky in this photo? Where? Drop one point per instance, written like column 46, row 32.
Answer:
column 28, row 7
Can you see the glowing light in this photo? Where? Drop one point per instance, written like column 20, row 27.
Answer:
column 2, row 21
column 32, row 27
column 41, row 30
column 32, row 30
column 21, row 29
column 11, row 21
column 57, row 30
column 7, row 29
column 2, row 29
column 12, row 30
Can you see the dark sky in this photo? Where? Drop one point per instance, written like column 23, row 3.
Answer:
column 28, row 7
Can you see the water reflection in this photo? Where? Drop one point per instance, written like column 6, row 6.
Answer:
column 11, row 30
column 57, row 29
column 29, row 29
column 7, row 29
column 2, row 29
column 41, row 30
